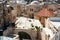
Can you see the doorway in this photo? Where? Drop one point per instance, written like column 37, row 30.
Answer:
column 24, row 36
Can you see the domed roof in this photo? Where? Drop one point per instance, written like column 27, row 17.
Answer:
column 34, row 2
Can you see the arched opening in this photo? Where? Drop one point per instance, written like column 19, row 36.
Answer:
column 24, row 36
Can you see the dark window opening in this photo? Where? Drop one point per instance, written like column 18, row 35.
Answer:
column 31, row 9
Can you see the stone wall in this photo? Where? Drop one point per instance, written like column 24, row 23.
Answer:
column 32, row 33
column 1, row 14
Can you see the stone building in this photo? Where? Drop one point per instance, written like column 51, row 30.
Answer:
column 7, row 16
column 53, row 7
column 28, row 26
column 52, row 23
column 13, row 16
column 19, row 9
column 1, row 15
column 1, row 19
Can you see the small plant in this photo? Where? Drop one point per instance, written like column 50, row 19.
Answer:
column 37, row 27
column 32, row 28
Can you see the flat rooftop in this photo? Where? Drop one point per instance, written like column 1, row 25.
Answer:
column 55, row 19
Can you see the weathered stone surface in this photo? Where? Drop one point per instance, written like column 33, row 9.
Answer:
column 1, row 15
